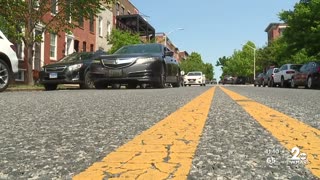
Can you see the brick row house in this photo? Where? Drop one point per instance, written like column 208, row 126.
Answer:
column 92, row 35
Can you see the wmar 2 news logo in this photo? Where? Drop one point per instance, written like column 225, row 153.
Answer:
column 296, row 157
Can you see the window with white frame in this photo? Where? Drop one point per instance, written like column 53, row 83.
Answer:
column 117, row 9
column 108, row 30
column 53, row 46
column 54, row 7
column 100, row 26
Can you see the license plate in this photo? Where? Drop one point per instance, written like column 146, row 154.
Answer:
column 53, row 75
column 115, row 73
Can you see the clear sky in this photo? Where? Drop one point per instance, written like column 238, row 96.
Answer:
column 213, row 28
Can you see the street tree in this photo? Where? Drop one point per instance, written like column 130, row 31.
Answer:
column 194, row 62
column 121, row 38
column 23, row 16
column 303, row 31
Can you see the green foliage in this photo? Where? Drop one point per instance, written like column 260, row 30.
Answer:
column 121, row 38
column 303, row 31
column 194, row 63
column 19, row 19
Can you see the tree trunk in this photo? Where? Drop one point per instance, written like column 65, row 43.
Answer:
column 30, row 64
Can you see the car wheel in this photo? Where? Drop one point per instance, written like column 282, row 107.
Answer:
column 116, row 86
column 87, row 82
column 293, row 85
column 177, row 84
column 143, row 86
column 162, row 79
column 263, row 84
column 4, row 75
column 100, row 85
column 272, row 84
column 282, row 83
column 50, row 87
column 309, row 83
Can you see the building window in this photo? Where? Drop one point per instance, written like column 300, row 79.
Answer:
column 122, row 10
column 69, row 45
column 80, row 21
column 108, row 30
column 54, row 7
column 91, row 21
column 117, row 9
column 91, row 47
column 84, row 46
column 20, row 75
column 19, row 51
column 129, row 13
column 53, row 46
column 100, row 26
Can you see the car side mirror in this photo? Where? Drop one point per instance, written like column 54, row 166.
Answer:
column 169, row 53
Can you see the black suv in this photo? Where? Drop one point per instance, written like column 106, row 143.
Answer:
column 72, row 69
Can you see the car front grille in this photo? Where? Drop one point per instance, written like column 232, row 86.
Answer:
column 118, row 63
column 55, row 69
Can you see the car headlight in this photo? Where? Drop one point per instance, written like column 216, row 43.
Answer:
column 145, row 60
column 75, row 67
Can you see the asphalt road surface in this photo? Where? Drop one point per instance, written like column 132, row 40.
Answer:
column 212, row 132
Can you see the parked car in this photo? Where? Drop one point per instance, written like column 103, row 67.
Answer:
column 240, row 80
column 270, row 75
column 308, row 75
column 259, row 80
column 195, row 78
column 227, row 79
column 214, row 81
column 139, row 64
column 284, row 75
column 72, row 69
column 8, row 62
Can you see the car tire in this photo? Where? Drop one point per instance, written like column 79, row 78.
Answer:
column 177, row 84
column 87, row 82
column 292, row 84
column 100, row 85
column 162, row 79
column 116, row 86
column 272, row 84
column 143, row 86
column 50, row 87
column 282, row 83
column 5, row 76
column 263, row 84
column 309, row 84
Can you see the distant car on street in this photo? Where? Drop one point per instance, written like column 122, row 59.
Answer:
column 72, row 69
column 214, row 81
column 240, row 80
column 139, row 64
column 308, row 75
column 284, row 76
column 270, row 76
column 195, row 78
column 8, row 62
column 259, row 80
column 227, row 79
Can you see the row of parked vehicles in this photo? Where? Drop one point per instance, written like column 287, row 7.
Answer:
column 291, row 75
column 140, row 65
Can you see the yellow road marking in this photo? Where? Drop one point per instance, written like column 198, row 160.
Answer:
column 164, row 151
column 290, row 132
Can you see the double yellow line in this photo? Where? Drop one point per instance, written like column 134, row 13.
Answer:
column 166, row 150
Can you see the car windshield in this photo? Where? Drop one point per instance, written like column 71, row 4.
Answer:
column 77, row 57
column 295, row 66
column 141, row 48
column 194, row 74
